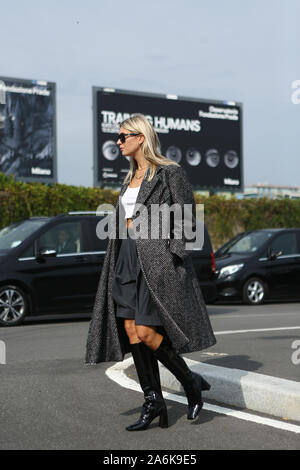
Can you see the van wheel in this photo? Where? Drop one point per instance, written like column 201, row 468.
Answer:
column 13, row 305
column 254, row 291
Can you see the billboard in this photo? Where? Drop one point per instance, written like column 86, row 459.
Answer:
column 28, row 129
column 203, row 136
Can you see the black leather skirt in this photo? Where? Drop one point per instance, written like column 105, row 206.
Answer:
column 130, row 291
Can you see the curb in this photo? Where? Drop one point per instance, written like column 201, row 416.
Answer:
column 236, row 387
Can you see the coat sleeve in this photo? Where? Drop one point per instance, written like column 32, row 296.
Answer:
column 184, row 221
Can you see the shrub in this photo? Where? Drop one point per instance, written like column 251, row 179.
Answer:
column 224, row 217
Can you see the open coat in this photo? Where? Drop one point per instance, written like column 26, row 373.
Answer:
column 169, row 273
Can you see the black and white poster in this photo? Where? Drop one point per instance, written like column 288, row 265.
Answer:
column 204, row 137
column 27, row 129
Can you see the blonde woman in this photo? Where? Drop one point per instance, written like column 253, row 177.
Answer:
column 149, row 301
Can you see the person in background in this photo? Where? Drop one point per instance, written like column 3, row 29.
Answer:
column 65, row 243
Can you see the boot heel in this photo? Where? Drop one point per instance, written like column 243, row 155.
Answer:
column 163, row 419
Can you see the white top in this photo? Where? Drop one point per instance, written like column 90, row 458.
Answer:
column 128, row 201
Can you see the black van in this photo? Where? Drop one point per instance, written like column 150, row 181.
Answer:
column 52, row 265
column 258, row 265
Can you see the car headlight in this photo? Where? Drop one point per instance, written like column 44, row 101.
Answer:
column 228, row 270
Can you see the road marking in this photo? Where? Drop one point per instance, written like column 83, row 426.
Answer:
column 251, row 315
column 117, row 374
column 255, row 316
column 231, row 332
column 213, row 354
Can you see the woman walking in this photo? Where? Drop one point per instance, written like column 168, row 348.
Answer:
column 149, row 301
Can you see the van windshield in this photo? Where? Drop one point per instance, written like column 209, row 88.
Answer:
column 248, row 243
column 13, row 235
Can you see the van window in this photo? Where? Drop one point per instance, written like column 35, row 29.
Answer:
column 63, row 238
column 93, row 242
column 29, row 252
column 286, row 242
column 248, row 243
column 13, row 235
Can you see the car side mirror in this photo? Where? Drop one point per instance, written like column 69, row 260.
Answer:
column 46, row 253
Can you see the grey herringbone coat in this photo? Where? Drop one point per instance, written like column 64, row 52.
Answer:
column 168, row 270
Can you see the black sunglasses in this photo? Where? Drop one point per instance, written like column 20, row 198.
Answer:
column 122, row 137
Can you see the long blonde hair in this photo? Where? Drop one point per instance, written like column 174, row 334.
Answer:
column 138, row 123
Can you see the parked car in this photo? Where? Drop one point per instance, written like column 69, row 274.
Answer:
column 52, row 265
column 258, row 265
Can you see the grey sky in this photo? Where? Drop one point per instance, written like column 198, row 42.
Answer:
column 236, row 50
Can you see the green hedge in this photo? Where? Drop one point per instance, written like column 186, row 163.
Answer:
column 224, row 217
column 20, row 200
column 227, row 217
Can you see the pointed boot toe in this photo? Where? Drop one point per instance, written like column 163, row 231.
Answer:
column 192, row 383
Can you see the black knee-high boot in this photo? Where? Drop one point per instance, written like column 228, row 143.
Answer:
column 148, row 373
column 192, row 383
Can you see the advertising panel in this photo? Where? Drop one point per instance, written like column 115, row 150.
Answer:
column 203, row 136
column 27, row 129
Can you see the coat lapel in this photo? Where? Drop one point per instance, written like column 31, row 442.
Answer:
column 147, row 187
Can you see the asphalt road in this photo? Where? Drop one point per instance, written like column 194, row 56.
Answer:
column 267, row 352
column 51, row 400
